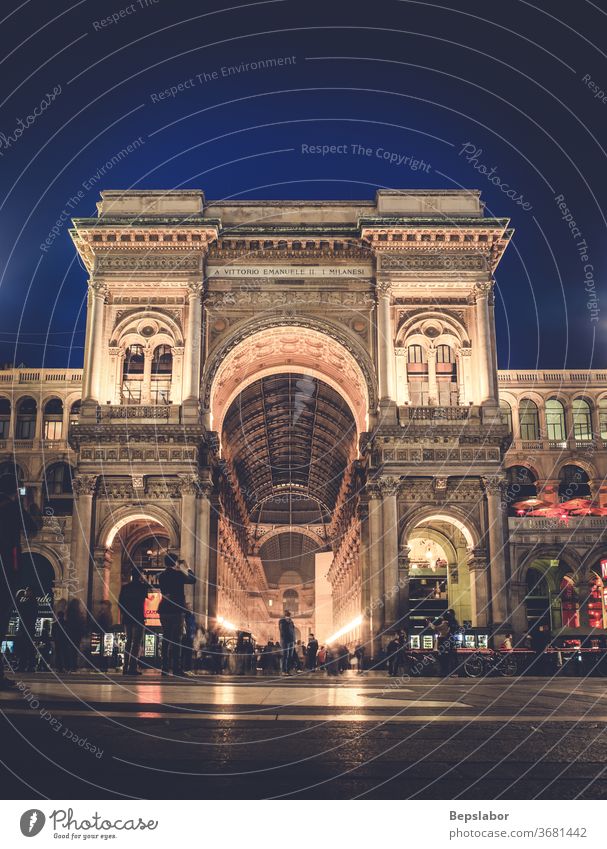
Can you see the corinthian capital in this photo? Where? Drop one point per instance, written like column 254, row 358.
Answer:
column 384, row 287
column 388, row 485
column 189, row 484
column 495, row 485
column 98, row 287
column 482, row 289
column 194, row 288
column 84, row 485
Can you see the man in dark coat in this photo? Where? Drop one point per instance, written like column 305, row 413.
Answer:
column 312, row 652
column 172, row 611
column 14, row 517
column 286, row 629
column 131, row 602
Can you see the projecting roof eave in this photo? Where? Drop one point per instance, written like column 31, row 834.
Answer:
column 146, row 221
column 388, row 221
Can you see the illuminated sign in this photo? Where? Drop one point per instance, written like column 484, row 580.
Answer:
column 604, row 570
column 150, row 609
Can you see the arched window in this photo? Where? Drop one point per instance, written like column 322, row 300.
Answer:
column 506, row 411
column 26, row 418
column 573, row 483
column 444, row 355
column 417, row 375
column 134, row 360
column 5, row 418
column 75, row 412
column 290, row 601
column 537, row 599
column 162, row 368
column 555, row 421
column 53, row 419
column 132, row 374
column 57, row 489
column 446, row 376
column 416, row 355
column 582, row 420
column 603, row 418
column 521, row 484
column 529, row 420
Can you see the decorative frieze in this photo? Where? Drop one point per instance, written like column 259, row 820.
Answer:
column 438, row 261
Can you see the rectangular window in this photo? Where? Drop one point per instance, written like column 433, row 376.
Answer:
column 160, row 391
column 131, row 391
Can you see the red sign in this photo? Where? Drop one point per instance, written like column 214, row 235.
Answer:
column 150, row 609
column 604, row 570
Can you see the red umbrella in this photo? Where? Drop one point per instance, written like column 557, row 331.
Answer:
column 590, row 510
column 551, row 512
column 533, row 503
column 576, row 504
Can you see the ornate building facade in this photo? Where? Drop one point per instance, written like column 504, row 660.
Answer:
column 295, row 393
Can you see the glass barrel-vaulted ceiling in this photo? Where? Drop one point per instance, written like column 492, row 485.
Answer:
column 289, row 435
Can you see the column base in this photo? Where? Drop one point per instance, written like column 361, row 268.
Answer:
column 190, row 411
column 387, row 412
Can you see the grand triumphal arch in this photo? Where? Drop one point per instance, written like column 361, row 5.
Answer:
column 300, row 398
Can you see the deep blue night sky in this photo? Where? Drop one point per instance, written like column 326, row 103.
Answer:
column 416, row 79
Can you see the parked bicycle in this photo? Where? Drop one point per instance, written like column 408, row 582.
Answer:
column 492, row 663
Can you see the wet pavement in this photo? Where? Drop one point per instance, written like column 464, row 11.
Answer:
column 93, row 736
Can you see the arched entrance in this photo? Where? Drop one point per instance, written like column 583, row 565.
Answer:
column 439, row 577
column 132, row 541
column 289, row 440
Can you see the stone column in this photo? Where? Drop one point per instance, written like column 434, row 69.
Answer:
column 548, row 490
column 482, row 293
column 494, row 490
column 116, row 360
column 376, row 574
column 191, row 357
column 93, row 355
column 203, row 550
column 365, row 575
column 466, row 395
column 146, row 387
column 80, row 551
column 177, row 376
column 187, row 546
column 432, row 382
column 390, row 549
column 479, row 588
column 385, row 342
column 402, row 381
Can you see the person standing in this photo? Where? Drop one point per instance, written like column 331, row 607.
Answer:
column 359, row 654
column 312, row 653
column 14, row 517
column 172, row 610
column 286, row 629
column 131, row 602
column 392, row 650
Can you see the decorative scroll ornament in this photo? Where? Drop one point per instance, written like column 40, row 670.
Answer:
column 420, row 260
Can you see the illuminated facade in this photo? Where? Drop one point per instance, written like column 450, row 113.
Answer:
column 295, row 393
